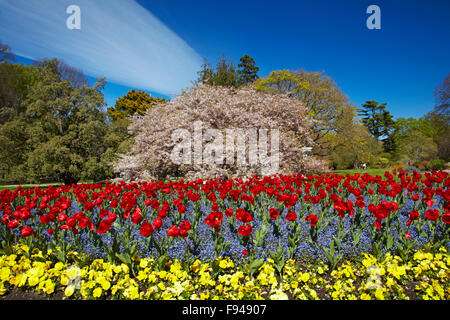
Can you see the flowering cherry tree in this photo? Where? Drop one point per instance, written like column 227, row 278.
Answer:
column 220, row 109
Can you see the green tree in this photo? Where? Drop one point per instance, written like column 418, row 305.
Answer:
column 377, row 119
column 14, row 150
column 15, row 83
column 380, row 123
column 324, row 100
column 439, row 118
column 53, row 127
column 135, row 101
column 440, row 123
column 66, row 130
column 205, row 74
column 224, row 74
column 351, row 144
column 417, row 147
column 248, row 71
column 433, row 125
column 62, row 71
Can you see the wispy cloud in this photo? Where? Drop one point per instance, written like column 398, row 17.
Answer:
column 118, row 39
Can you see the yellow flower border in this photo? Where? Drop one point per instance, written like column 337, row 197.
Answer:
column 426, row 277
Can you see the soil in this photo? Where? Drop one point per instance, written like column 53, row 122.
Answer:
column 16, row 294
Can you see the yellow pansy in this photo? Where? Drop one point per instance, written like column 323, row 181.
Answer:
column 97, row 293
column 49, row 286
column 161, row 286
column 59, row 266
column 379, row 294
column 3, row 289
column 305, row 277
column 33, row 281
column 69, row 291
column 106, row 285
column 5, row 273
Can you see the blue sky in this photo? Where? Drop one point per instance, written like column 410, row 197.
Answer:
column 400, row 64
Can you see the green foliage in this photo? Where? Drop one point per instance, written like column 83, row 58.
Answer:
column 436, row 164
column 135, row 101
column 320, row 94
column 53, row 126
column 248, row 71
column 416, row 147
column 226, row 75
column 15, row 83
column 351, row 144
column 438, row 125
column 432, row 130
column 377, row 119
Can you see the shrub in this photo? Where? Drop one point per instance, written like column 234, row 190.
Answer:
column 397, row 168
column 436, row 164
column 422, row 165
column 379, row 162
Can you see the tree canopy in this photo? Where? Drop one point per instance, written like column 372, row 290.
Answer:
column 135, row 101
column 323, row 99
column 53, row 124
column 225, row 74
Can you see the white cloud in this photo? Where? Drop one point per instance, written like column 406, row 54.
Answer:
column 118, row 39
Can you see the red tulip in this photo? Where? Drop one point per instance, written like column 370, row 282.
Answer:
column 181, row 208
column 243, row 216
column 312, row 219
column 245, row 231
column 136, row 216
column 104, row 226
column 13, row 224
column 62, row 217
column 446, row 217
column 184, row 233
column 173, row 231
column 26, row 232
column 291, row 216
column 157, row 223
column 185, row 225
column 146, row 229
column 432, row 214
column 414, row 215
column 71, row 222
column 273, row 213
column 212, row 197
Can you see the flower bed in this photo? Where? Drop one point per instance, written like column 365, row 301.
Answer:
column 425, row 276
column 301, row 237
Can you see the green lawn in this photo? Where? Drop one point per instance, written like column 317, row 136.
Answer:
column 26, row 186
column 372, row 172
column 30, row 185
